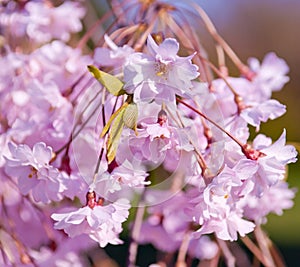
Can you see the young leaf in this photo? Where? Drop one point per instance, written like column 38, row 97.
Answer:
column 113, row 116
column 130, row 116
column 115, row 135
column 126, row 115
column 110, row 82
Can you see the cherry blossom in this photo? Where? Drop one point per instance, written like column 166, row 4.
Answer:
column 113, row 56
column 159, row 74
column 130, row 175
column 265, row 81
column 163, row 228
column 279, row 195
column 101, row 223
column 253, row 109
column 217, row 205
column 40, row 21
column 272, row 162
column 145, row 148
column 227, row 228
column 34, row 173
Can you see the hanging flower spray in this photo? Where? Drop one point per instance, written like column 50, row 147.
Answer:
column 137, row 126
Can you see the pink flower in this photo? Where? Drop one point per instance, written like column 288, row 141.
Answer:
column 113, row 56
column 270, row 74
column 130, row 175
column 68, row 252
column 160, row 74
column 274, row 199
column 50, row 114
column 216, row 206
column 102, row 223
column 203, row 248
column 33, row 106
column 269, row 109
column 151, row 143
column 272, row 162
column 26, row 217
column 283, row 153
column 59, row 63
column 34, row 173
column 167, row 222
column 254, row 109
column 42, row 22
column 156, row 143
column 227, row 228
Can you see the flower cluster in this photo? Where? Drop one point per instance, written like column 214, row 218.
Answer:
column 101, row 223
column 154, row 123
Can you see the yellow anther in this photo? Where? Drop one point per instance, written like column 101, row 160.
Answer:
column 161, row 69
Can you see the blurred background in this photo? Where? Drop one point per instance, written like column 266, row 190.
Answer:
column 254, row 28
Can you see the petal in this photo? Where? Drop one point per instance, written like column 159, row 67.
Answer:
column 168, row 49
column 75, row 217
column 152, row 45
column 78, row 216
column 42, row 153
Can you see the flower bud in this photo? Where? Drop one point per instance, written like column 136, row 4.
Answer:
column 162, row 117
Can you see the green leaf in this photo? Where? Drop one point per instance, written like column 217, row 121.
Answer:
column 126, row 115
column 130, row 116
column 115, row 135
column 113, row 116
column 110, row 82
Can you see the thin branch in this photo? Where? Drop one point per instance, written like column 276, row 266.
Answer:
column 142, row 40
column 211, row 121
column 181, row 262
column 213, row 31
column 187, row 43
column 264, row 246
column 278, row 259
column 230, row 259
column 119, row 35
column 136, row 229
column 75, row 134
column 91, row 31
column 254, row 249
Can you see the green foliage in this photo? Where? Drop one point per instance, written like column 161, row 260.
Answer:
column 130, row 116
column 126, row 115
column 110, row 82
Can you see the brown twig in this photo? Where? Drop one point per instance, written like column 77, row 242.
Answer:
column 230, row 259
column 183, row 250
column 136, row 229
column 254, row 249
column 213, row 32
column 211, row 121
column 264, row 246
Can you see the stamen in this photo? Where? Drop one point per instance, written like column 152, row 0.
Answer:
column 32, row 173
column 161, row 69
column 91, row 199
